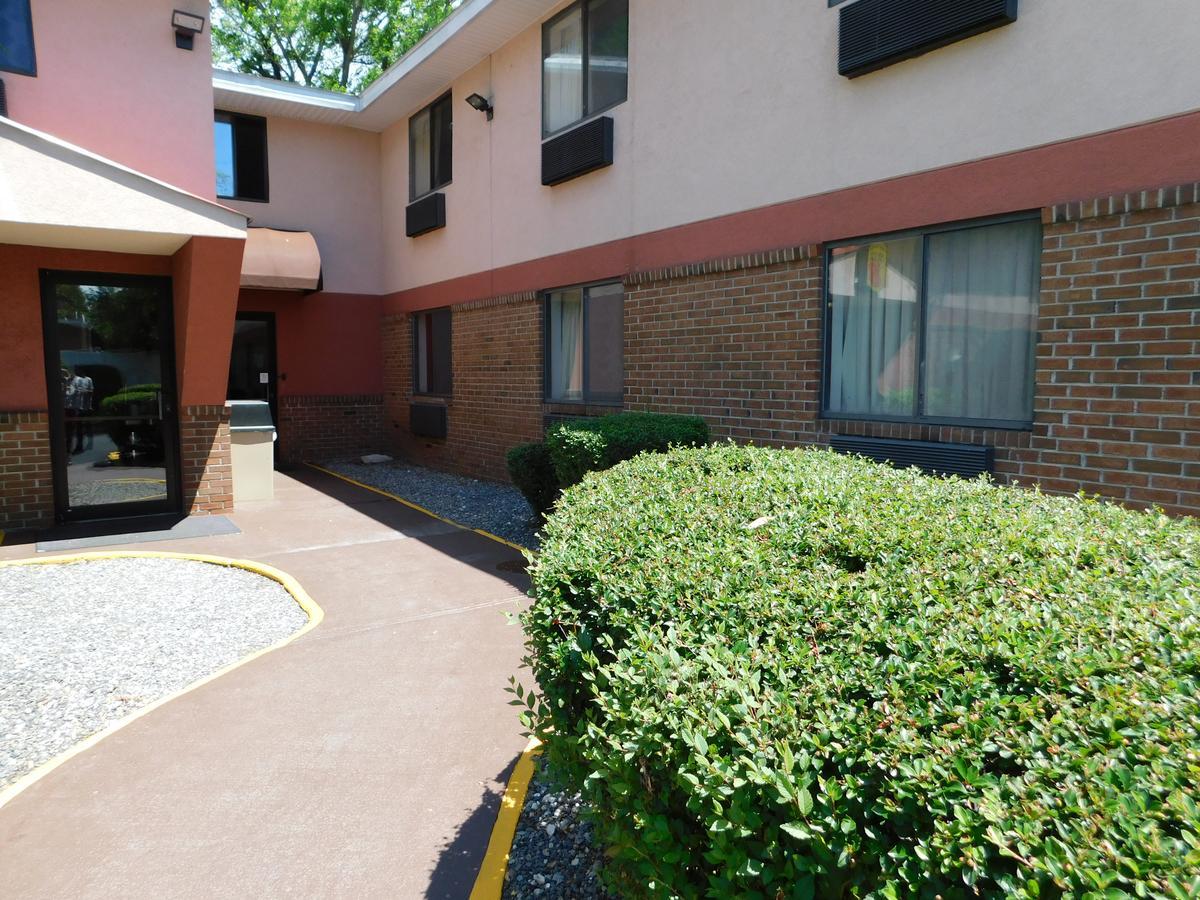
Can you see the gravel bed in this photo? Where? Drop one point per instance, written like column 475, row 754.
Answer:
column 84, row 644
column 498, row 508
column 552, row 855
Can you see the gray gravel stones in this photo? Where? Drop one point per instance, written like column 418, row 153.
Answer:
column 83, row 644
column 498, row 508
column 552, row 856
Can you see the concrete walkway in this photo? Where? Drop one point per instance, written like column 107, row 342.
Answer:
column 366, row 759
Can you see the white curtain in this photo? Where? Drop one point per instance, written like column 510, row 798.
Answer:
column 566, row 345
column 874, row 291
column 562, row 73
column 419, row 138
column 981, row 298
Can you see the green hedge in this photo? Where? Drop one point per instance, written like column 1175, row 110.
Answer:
column 531, row 471
column 784, row 674
column 580, row 446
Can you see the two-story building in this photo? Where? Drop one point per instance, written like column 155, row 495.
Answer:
column 961, row 235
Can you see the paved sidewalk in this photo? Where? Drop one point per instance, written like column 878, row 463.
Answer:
column 366, row 759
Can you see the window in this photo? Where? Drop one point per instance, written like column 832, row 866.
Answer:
column 585, row 361
column 431, row 352
column 934, row 326
column 241, row 153
column 429, row 148
column 585, row 62
column 16, row 38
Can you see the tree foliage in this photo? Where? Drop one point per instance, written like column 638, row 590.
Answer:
column 340, row 45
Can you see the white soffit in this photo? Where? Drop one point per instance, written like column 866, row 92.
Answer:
column 469, row 35
column 54, row 194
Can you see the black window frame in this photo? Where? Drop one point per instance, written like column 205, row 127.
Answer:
column 31, row 71
column 924, row 233
column 434, row 184
column 585, row 398
column 259, row 123
column 585, row 50
column 449, row 386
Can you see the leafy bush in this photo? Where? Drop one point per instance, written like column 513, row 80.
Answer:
column 794, row 674
column 587, row 445
column 531, row 471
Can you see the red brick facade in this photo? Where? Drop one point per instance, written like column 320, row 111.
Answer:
column 318, row 428
column 26, row 481
column 204, row 454
column 496, row 358
column 738, row 341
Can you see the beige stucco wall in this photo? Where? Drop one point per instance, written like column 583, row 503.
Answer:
column 110, row 79
column 731, row 110
column 325, row 179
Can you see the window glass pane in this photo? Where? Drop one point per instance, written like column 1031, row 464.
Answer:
column 608, row 52
column 439, row 352
column 981, row 300
column 605, row 343
column 874, row 291
column 419, row 140
column 421, row 335
column 224, row 153
column 565, row 344
column 250, row 148
column 562, row 72
column 16, row 37
column 442, row 131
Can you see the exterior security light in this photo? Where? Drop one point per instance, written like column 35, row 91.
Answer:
column 480, row 103
column 186, row 26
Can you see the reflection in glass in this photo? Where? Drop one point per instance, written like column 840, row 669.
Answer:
column 110, row 372
column 223, row 135
column 608, row 52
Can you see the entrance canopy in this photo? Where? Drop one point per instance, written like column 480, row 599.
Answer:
column 55, row 194
column 281, row 260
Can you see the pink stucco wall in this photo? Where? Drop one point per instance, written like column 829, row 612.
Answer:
column 113, row 82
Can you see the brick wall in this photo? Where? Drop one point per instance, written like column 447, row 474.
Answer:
column 1118, row 372
column 737, row 342
column 318, row 428
column 496, row 358
column 204, row 453
column 26, row 480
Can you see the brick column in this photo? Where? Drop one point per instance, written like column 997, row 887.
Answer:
column 26, row 480
column 207, row 473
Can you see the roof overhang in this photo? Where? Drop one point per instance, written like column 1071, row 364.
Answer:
column 468, row 36
column 55, row 194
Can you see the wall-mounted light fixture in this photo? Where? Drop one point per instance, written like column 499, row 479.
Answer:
column 480, row 103
column 186, row 26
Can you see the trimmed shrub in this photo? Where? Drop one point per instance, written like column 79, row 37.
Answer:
column 531, row 471
column 781, row 674
column 588, row 445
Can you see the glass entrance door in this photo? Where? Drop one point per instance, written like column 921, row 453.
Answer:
column 111, row 377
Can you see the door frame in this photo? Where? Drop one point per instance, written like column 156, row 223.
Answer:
column 59, row 456
column 272, row 358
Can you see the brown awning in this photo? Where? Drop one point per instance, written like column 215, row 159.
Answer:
column 280, row 260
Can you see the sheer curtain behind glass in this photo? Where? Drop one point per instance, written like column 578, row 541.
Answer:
column 566, row 345
column 980, row 308
column 562, row 72
column 874, row 291
column 419, row 139
column 223, row 137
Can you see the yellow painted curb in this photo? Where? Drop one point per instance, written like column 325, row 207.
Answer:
column 411, row 505
column 291, row 585
column 490, row 882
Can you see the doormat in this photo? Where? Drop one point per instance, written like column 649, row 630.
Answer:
column 109, row 534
